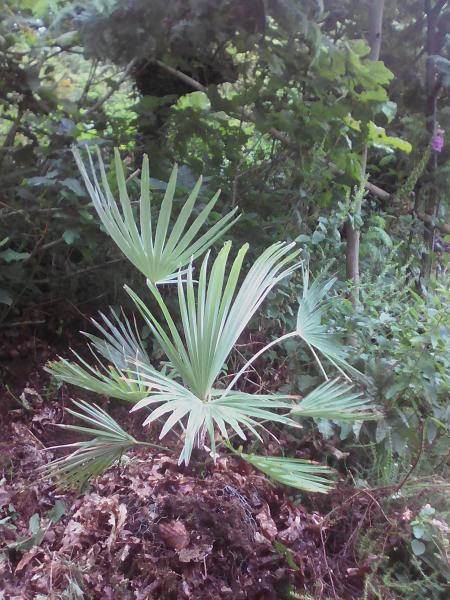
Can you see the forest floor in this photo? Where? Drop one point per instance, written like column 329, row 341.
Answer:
column 149, row 528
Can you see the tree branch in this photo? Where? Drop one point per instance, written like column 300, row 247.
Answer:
column 111, row 91
column 193, row 83
column 196, row 85
column 424, row 217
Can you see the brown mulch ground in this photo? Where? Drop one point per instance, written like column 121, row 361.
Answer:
column 149, row 529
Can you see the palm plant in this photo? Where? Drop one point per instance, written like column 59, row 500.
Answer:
column 213, row 312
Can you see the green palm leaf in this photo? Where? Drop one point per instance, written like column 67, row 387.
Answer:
column 312, row 307
column 90, row 458
column 301, row 474
column 121, row 344
column 108, row 381
column 237, row 411
column 337, row 401
column 215, row 312
column 157, row 253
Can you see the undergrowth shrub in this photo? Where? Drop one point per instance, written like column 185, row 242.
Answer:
column 403, row 346
column 410, row 546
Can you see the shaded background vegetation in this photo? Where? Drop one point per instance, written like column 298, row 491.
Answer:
column 279, row 104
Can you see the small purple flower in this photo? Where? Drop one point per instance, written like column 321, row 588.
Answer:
column 437, row 141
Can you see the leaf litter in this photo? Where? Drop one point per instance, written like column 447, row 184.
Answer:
column 151, row 529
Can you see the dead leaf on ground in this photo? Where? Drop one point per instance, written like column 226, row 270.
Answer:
column 175, row 534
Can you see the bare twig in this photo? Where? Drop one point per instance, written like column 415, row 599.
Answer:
column 133, row 175
column 20, row 324
column 330, row 572
column 111, row 91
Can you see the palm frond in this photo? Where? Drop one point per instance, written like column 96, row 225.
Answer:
column 121, row 344
column 312, row 307
column 108, row 381
column 90, row 458
column 214, row 313
column 237, row 411
column 337, row 401
column 157, row 253
column 300, row 474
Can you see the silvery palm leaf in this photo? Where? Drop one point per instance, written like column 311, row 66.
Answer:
column 337, row 401
column 109, row 380
column 121, row 344
column 215, row 312
column 297, row 473
column 157, row 253
column 92, row 457
column 312, row 306
column 237, row 411
column 122, row 348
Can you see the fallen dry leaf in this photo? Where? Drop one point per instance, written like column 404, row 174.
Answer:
column 194, row 554
column 175, row 534
column 266, row 523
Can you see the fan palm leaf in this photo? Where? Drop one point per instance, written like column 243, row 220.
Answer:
column 121, row 344
column 108, row 380
column 237, row 411
column 215, row 312
column 213, row 315
column 152, row 249
column 312, row 307
column 304, row 475
column 122, row 348
column 92, row 457
column 337, row 401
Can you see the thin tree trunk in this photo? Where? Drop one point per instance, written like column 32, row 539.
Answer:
column 353, row 235
column 431, row 89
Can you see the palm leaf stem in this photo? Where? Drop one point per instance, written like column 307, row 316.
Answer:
column 254, row 357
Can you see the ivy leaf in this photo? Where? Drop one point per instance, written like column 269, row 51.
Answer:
column 418, row 547
column 70, row 236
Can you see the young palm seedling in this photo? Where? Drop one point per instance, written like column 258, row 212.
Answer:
column 216, row 303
